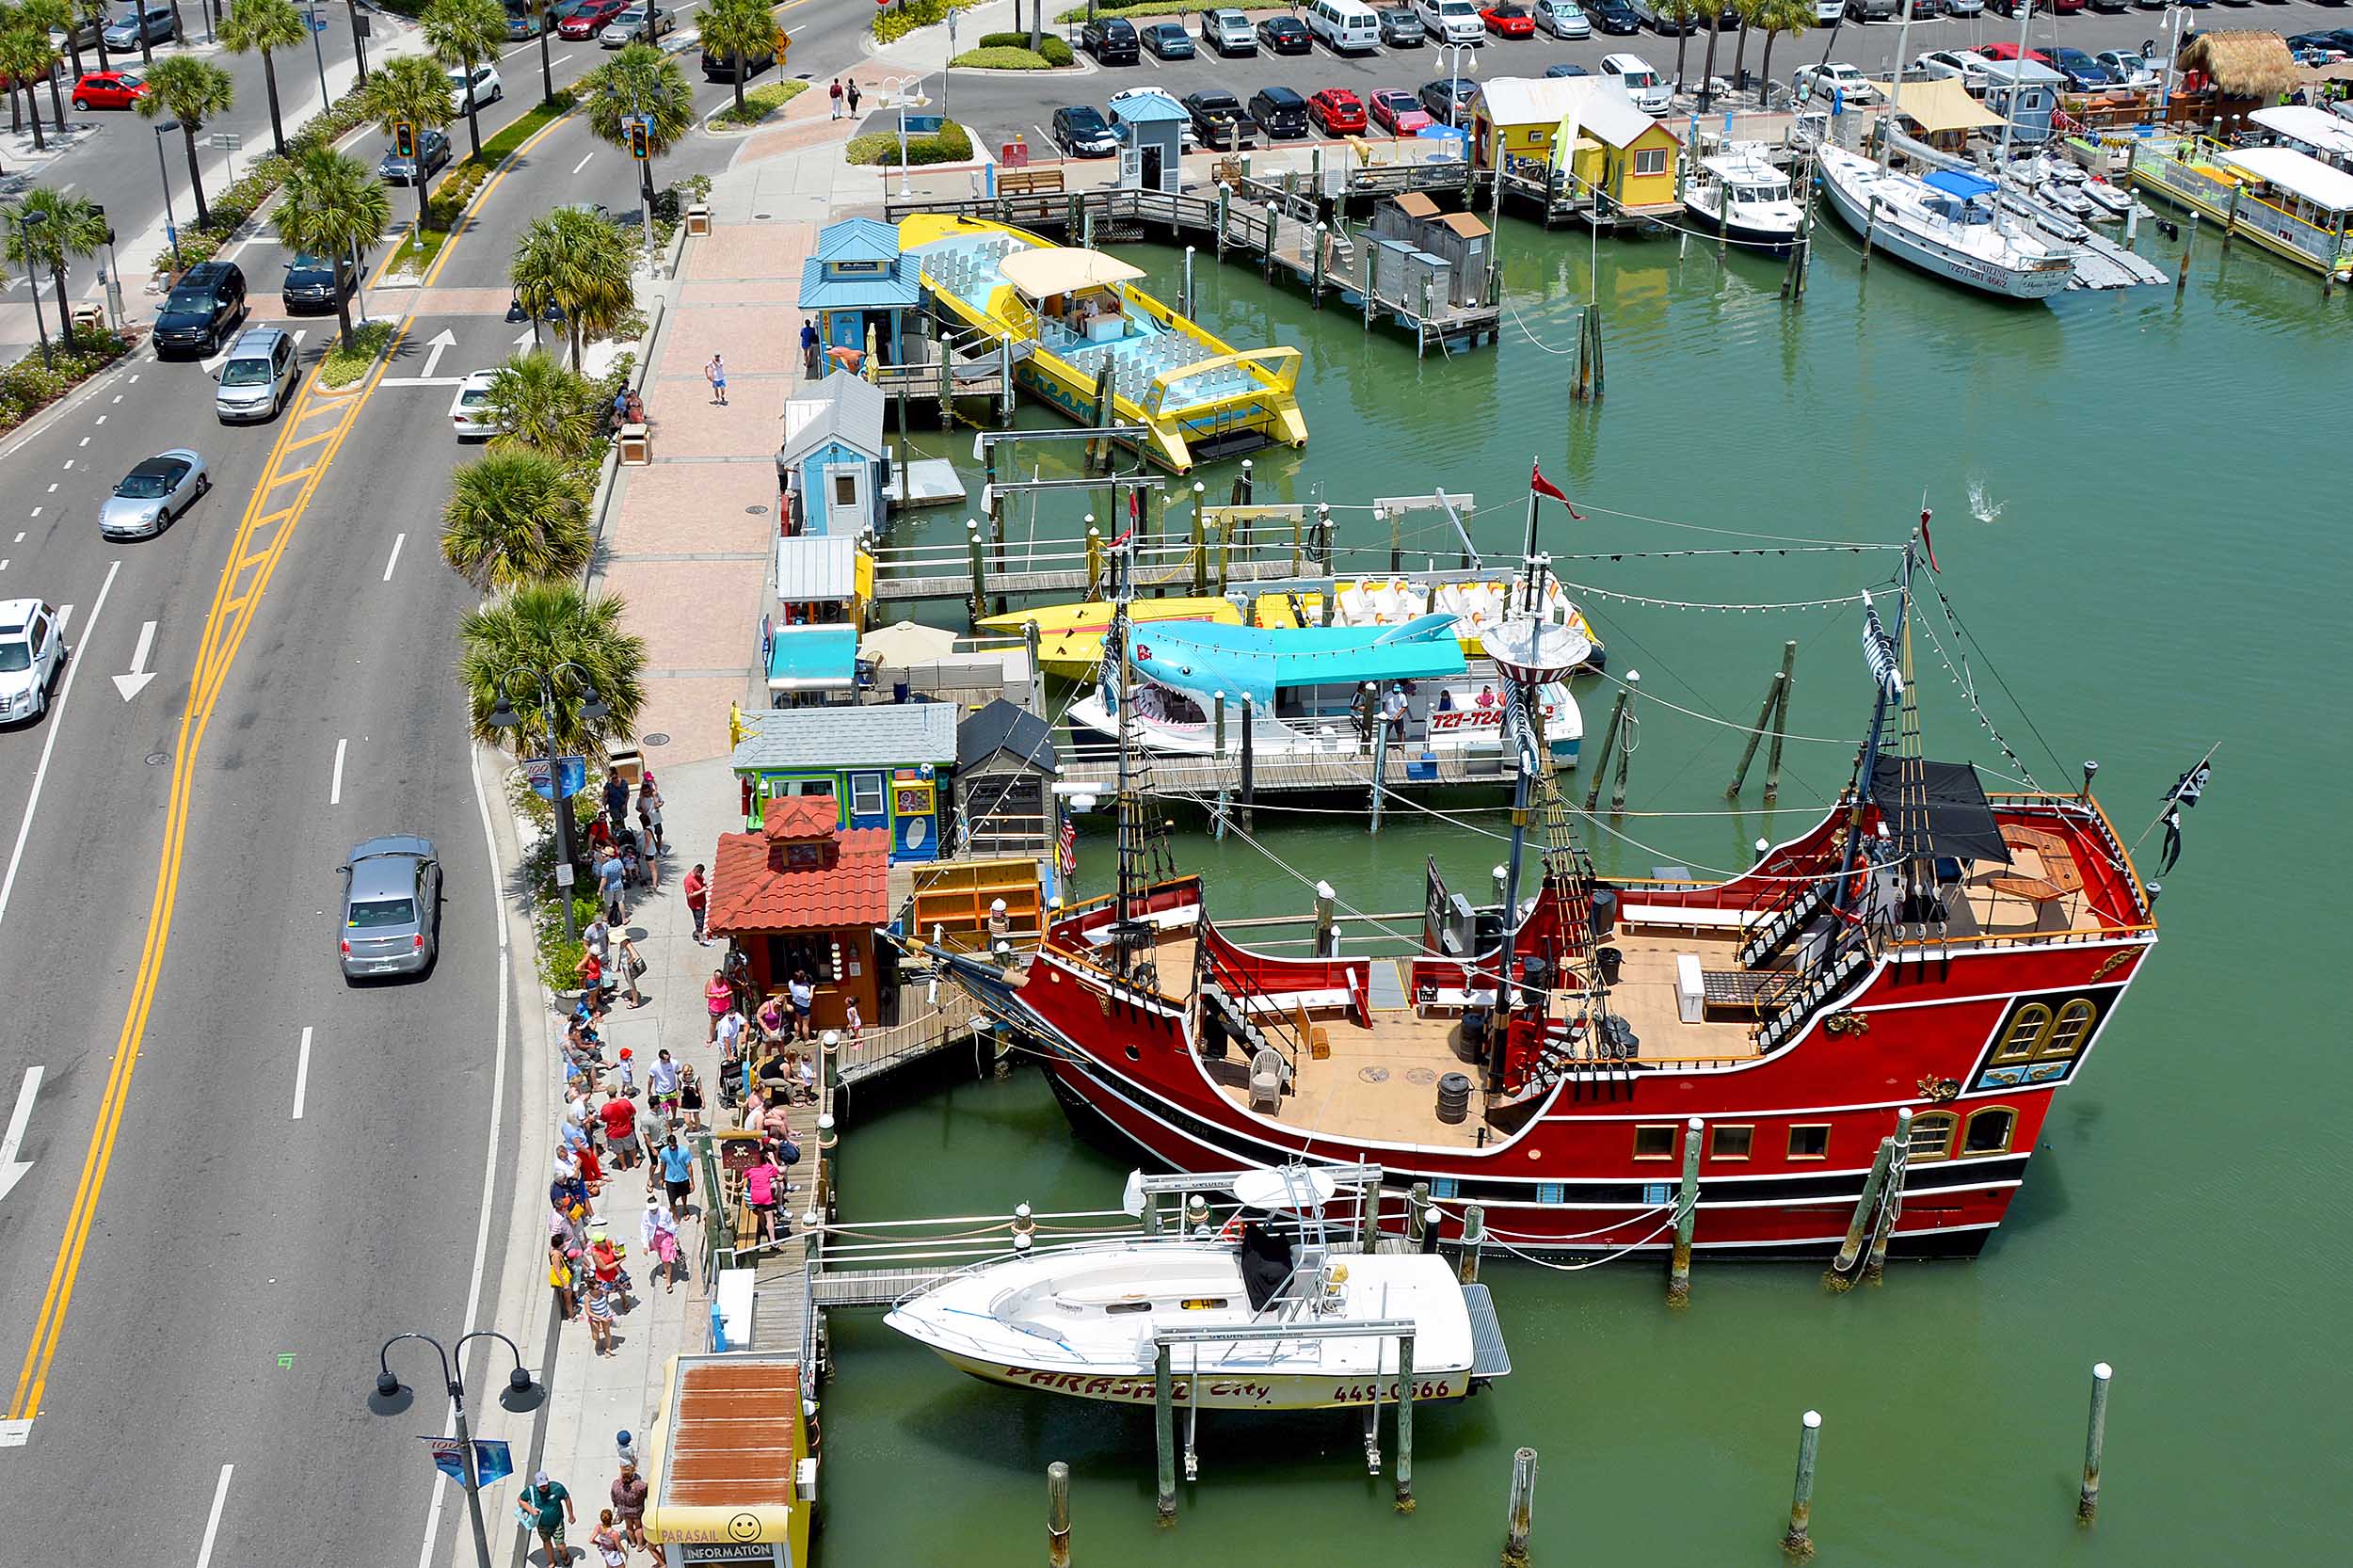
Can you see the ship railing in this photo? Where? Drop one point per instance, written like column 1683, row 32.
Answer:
column 1254, row 1005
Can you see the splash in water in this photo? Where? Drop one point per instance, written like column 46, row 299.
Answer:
column 1981, row 504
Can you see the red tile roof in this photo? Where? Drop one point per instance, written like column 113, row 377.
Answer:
column 799, row 817
column 750, row 892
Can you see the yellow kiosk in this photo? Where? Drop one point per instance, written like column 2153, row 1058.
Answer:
column 729, row 1474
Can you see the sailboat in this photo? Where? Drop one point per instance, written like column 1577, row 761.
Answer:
column 1945, row 222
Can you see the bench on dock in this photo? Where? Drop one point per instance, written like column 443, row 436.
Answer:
column 1696, row 917
column 1029, row 181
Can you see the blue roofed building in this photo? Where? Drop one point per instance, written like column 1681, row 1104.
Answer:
column 832, row 465
column 859, row 281
column 1150, row 125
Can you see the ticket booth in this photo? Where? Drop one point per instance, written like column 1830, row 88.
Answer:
column 730, row 1474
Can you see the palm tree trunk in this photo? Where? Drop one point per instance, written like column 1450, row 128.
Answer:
column 269, row 81
column 147, row 51
column 102, row 64
column 1764, row 68
column 74, row 50
column 547, row 72
column 179, row 27
column 33, row 102
column 56, row 100
column 342, row 297
column 473, row 121
column 572, row 325
column 65, row 317
column 196, row 180
column 1683, row 39
column 739, row 82
column 358, row 45
column 1740, row 55
column 1707, row 65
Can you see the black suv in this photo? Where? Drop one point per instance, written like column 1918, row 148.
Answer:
column 1111, row 39
column 311, row 284
column 1280, row 112
column 208, row 300
column 721, row 68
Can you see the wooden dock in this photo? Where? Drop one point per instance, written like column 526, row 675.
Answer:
column 1339, row 770
column 1283, row 229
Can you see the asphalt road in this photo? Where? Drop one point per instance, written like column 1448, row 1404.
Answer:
column 197, row 1278
column 1000, row 104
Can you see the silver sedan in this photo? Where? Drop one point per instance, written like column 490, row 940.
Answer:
column 153, row 493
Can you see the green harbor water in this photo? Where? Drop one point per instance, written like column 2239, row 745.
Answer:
column 2141, row 515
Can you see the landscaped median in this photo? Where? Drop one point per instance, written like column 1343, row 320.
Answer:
column 950, row 144
column 28, row 386
column 353, row 357
column 458, row 187
column 760, row 103
column 1011, row 52
column 897, row 20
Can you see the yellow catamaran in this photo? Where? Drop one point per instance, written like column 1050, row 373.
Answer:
column 1083, row 319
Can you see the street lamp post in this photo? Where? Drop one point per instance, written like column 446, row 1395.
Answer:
column 32, row 279
column 592, row 706
column 318, row 52
column 518, row 1385
column 171, row 224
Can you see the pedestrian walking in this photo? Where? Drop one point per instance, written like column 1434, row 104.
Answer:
column 718, row 1000
column 590, row 973
column 659, row 1232
column 560, row 1281
column 662, row 1083
column 716, row 374
column 598, row 1306
column 678, row 1174
column 698, row 901
column 652, row 1127
column 628, row 1502
column 762, row 1184
column 649, row 816
column 852, row 1020
column 611, row 1545
column 690, row 1099
column 546, row 1508
column 615, row 799
column 804, row 993
column 835, row 93
column 613, row 882
column 852, row 90
column 604, row 1268
column 627, row 1070
column 633, row 965
column 738, row 965
column 809, row 341
column 620, row 1129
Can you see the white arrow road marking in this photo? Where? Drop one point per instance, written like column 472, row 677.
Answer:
column 212, row 1526
column 522, row 340
column 335, row 785
column 582, row 163
column 394, row 560
column 439, row 344
column 56, row 721
column 302, row 1072
column 135, row 682
column 12, row 1169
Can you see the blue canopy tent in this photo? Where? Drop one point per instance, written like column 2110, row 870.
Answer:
column 1202, row 658
column 1959, row 184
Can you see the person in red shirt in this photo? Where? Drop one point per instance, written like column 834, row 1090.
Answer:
column 620, row 1129
column 698, row 900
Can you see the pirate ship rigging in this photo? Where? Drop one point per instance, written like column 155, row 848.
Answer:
column 1923, row 947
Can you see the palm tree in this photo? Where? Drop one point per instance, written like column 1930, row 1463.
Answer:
column 1707, row 63
column 1749, row 11
column 537, row 628
column 94, row 11
column 641, row 80
column 741, row 28
column 538, row 405
column 463, row 34
column 68, row 227
column 579, row 263
column 514, row 517
column 1682, row 13
column 55, row 16
column 331, row 204
column 1776, row 17
column 191, row 91
column 26, row 56
column 413, row 88
column 266, row 26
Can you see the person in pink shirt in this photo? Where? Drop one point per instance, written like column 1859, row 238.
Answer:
column 718, row 997
column 763, row 1187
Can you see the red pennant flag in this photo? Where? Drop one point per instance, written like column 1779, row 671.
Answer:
column 1926, row 543
column 1135, row 507
column 1542, row 486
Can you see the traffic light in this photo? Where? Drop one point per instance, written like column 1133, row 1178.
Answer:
column 99, row 213
column 640, row 147
column 404, row 140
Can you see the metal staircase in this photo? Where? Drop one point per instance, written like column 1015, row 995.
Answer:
column 1776, row 932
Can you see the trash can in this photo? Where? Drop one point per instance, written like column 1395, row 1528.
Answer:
column 1453, row 1099
column 636, row 446
column 1610, row 960
column 698, row 219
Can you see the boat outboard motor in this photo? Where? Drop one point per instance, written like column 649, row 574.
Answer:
column 1266, row 1263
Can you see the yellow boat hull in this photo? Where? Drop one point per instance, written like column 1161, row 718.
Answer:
column 1263, row 410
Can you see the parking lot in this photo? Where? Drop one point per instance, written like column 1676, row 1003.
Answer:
column 1000, row 105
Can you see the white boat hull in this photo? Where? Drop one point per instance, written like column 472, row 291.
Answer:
column 1236, row 1389
column 1467, row 728
column 1846, row 180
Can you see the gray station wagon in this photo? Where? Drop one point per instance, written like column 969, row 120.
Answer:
column 391, row 914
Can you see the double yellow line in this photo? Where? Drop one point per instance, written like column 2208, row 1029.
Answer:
column 313, row 433
column 481, row 199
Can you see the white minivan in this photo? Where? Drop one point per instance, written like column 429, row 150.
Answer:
column 1344, row 24
column 1451, row 20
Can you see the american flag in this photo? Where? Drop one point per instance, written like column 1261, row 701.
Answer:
column 1067, row 845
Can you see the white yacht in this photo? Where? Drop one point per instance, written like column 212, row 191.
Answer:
column 1944, row 222
column 1743, row 196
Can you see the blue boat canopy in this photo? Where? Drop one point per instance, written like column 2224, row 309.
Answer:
column 1204, row 658
column 812, row 658
column 1959, row 183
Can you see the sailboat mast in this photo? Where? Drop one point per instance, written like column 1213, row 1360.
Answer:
column 1887, row 676
column 1130, row 850
column 1894, row 91
column 2009, row 105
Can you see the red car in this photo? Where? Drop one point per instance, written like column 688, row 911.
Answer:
column 588, row 18
column 1398, row 112
column 1338, row 110
column 2010, row 52
column 1506, row 20
column 108, row 89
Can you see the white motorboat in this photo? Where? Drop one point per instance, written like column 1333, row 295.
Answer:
column 1743, row 196
column 1313, row 1329
column 1944, row 222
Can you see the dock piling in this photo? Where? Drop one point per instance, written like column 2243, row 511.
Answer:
column 2095, row 1437
column 1380, row 766
column 1368, row 1218
column 1094, row 558
column 1164, row 1433
column 1327, row 927
column 1687, row 1215
column 1405, row 1423
column 1058, row 1515
column 1519, row 1514
column 1771, row 715
column 1795, row 1541
column 1474, row 1238
column 1249, row 766
column 974, row 558
column 1315, row 285
column 1891, row 1201
column 1416, row 1205
column 1608, row 743
column 1625, row 745
column 1184, row 294
column 1841, row 1274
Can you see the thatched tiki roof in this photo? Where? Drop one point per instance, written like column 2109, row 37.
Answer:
column 2242, row 63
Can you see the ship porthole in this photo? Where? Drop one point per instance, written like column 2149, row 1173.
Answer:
column 1135, row 1053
